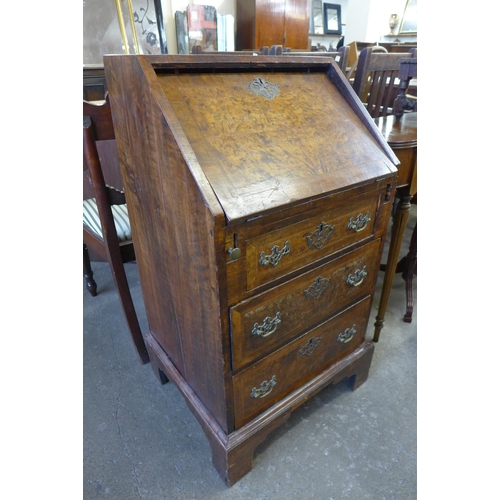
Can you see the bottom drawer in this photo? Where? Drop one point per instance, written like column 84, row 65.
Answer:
column 264, row 383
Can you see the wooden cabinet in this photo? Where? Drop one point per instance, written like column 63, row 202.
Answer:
column 272, row 22
column 259, row 192
column 94, row 83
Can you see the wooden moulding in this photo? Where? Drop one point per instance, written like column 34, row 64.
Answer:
column 232, row 454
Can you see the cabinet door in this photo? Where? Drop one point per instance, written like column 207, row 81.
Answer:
column 270, row 22
column 296, row 33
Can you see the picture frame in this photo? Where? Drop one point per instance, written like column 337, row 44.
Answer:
column 332, row 19
column 408, row 24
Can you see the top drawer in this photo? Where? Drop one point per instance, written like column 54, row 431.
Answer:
column 274, row 254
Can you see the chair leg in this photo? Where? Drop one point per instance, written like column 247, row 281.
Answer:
column 121, row 282
column 410, row 270
column 87, row 272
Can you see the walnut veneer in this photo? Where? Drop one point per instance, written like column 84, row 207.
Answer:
column 259, row 192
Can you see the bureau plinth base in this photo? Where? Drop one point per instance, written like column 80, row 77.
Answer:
column 232, row 454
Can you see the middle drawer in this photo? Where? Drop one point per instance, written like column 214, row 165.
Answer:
column 263, row 323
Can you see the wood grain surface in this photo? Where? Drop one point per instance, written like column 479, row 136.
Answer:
column 260, row 154
column 226, row 153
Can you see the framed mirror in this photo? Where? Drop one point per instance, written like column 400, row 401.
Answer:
column 409, row 23
column 332, row 19
column 317, row 17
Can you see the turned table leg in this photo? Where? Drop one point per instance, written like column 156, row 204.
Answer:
column 398, row 231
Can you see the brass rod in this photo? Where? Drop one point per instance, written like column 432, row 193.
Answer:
column 132, row 23
column 122, row 25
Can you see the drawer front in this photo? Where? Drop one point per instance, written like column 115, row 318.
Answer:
column 269, row 380
column 267, row 321
column 272, row 255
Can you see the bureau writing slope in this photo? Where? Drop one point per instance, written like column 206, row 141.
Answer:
column 259, row 193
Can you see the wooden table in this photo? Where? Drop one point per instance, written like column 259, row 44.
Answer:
column 401, row 135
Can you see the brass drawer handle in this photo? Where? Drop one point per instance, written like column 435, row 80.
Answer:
column 308, row 348
column 264, row 389
column 268, row 326
column 318, row 286
column 359, row 223
column 320, row 235
column 275, row 256
column 347, row 335
column 357, row 278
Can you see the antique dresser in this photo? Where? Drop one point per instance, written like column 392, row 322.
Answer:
column 259, row 193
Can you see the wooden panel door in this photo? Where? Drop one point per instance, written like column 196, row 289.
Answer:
column 296, row 32
column 270, row 22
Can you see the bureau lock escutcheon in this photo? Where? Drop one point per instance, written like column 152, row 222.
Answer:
column 320, row 235
column 308, row 348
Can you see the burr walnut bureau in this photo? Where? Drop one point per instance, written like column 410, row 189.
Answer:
column 259, row 193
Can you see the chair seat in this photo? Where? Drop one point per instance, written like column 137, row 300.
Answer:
column 120, row 215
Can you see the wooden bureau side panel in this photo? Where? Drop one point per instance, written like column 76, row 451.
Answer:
column 298, row 362
column 386, row 203
column 149, row 224
column 177, row 232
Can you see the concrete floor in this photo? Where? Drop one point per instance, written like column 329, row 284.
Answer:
column 141, row 441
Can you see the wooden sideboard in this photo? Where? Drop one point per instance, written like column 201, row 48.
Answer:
column 94, row 83
column 259, row 192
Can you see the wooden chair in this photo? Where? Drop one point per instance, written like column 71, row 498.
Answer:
column 403, row 102
column 340, row 56
column 353, row 64
column 375, row 79
column 106, row 228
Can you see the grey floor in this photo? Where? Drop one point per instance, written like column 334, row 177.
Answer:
column 141, row 441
